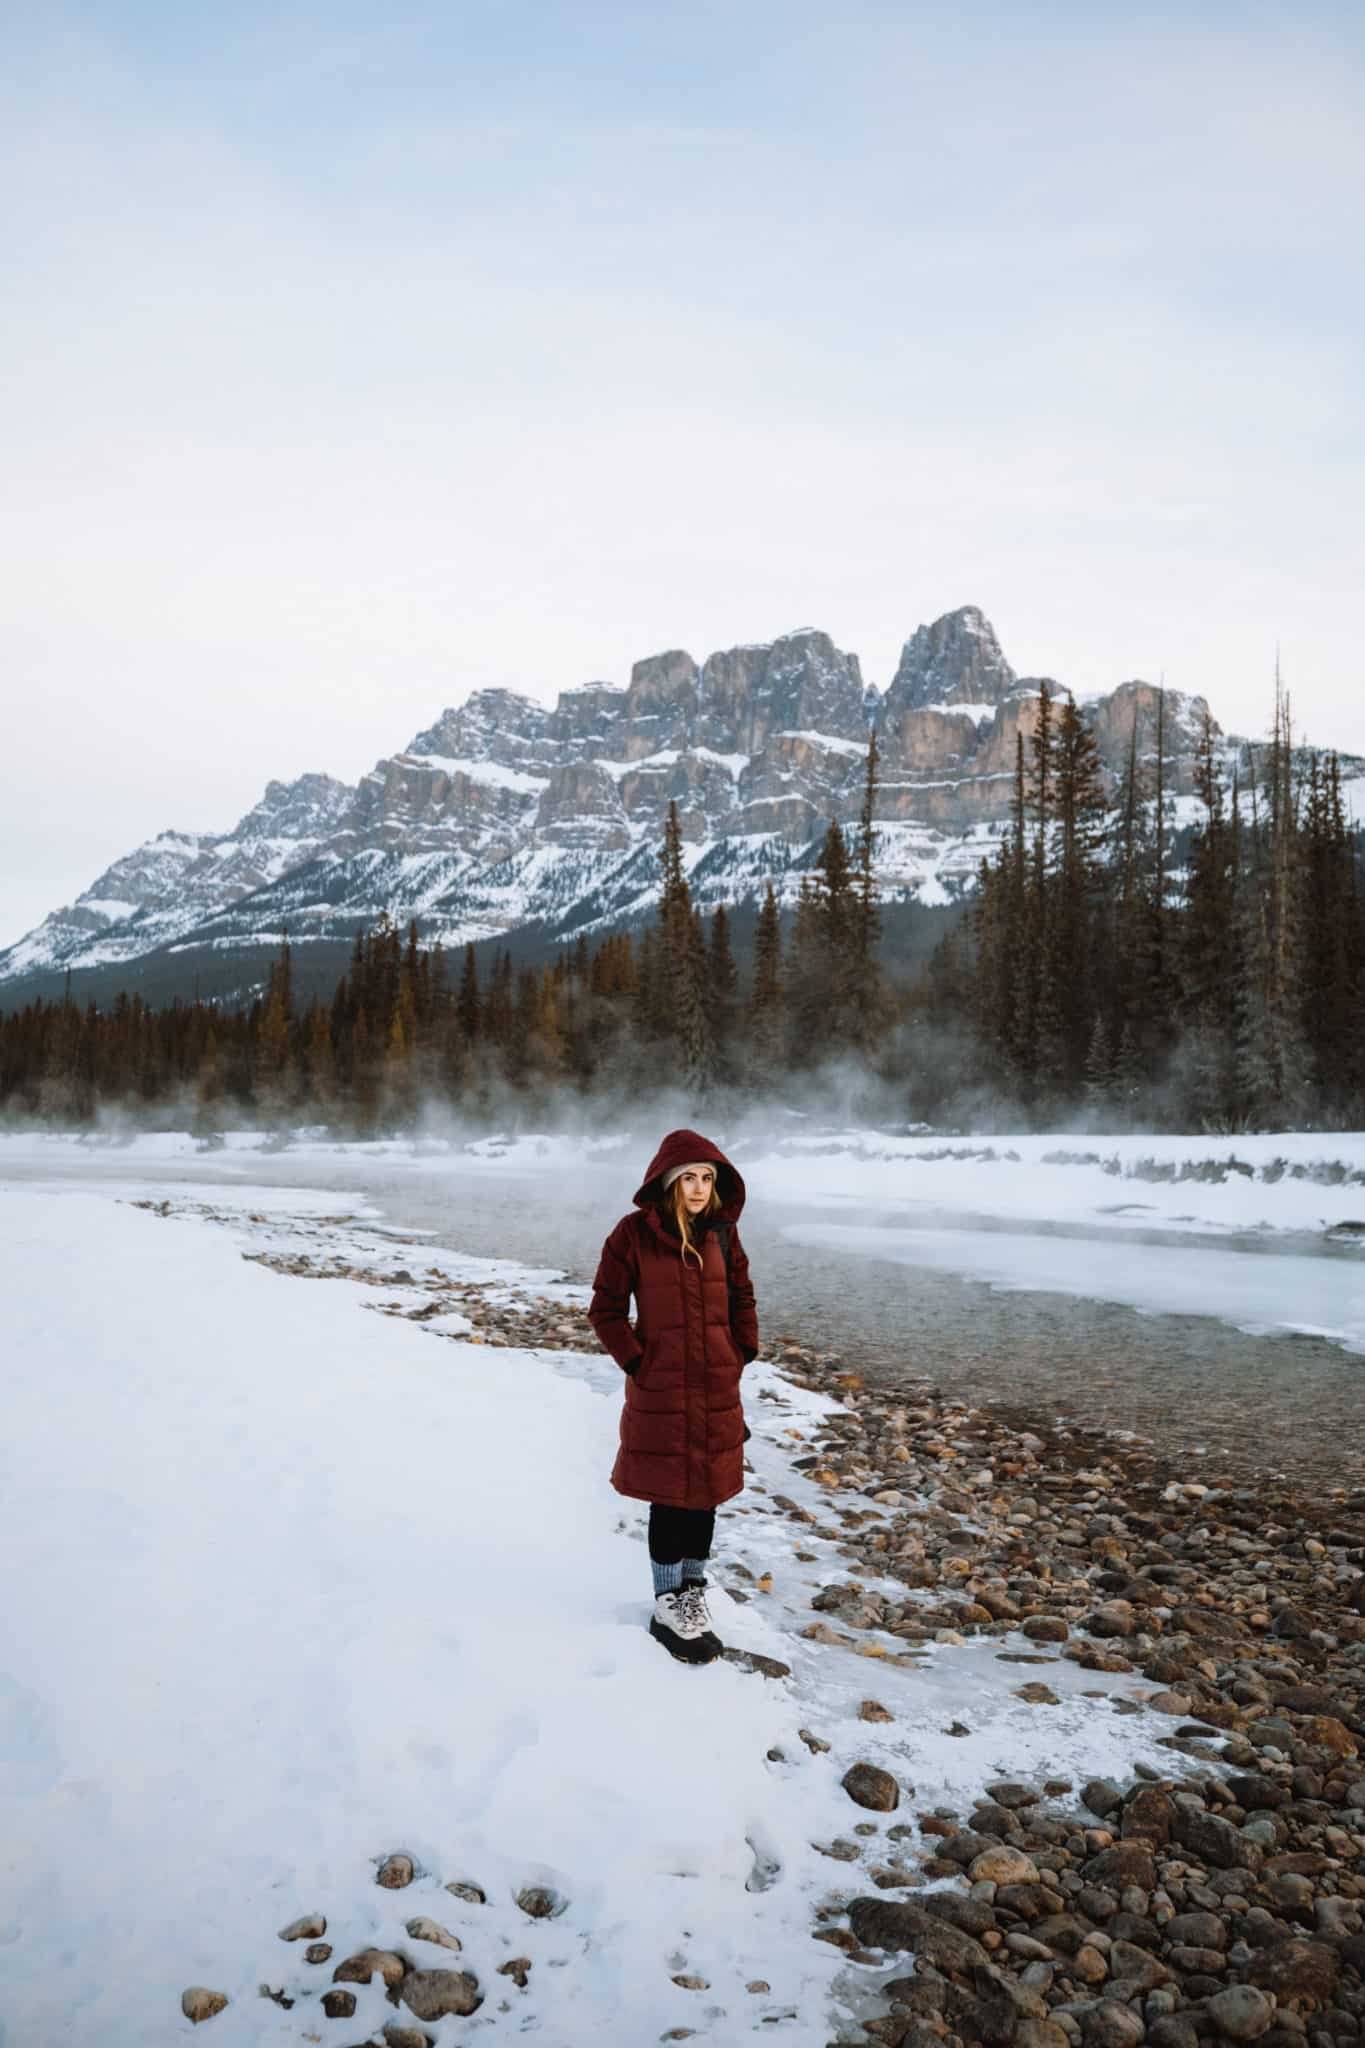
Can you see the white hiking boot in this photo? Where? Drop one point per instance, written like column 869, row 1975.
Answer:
column 681, row 1623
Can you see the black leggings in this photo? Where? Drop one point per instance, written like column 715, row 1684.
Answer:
column 676, row 1533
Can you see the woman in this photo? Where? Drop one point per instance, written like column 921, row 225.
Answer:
column 682, row 1426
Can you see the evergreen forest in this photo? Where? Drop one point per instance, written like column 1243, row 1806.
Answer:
column 1108, row 971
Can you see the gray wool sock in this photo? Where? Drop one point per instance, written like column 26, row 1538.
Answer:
column 668, row 1578
column 693, row 1571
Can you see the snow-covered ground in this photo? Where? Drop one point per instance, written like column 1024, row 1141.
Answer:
column 291, row 1584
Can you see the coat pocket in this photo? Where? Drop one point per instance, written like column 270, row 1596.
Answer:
column 647, row 1372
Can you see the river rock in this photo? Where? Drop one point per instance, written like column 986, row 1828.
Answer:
column 1195, row 1930
column 1298, row 1972
column 395, row 1871
column 432, row 1994
column 306, row 1929
column 424, row 1929
column 540, row 1902
column 1102, row 1796
column 870, row 1786
column 1112, row 1618
column 1214, row 1840
column 368, row 1963
column 974, row 1916
column 1257, row 1794
column 1003, row 1866
column 1241, row 2013
column 1046, row 1628
column 199, row 2003
column 1172, row 2030
column 1124, row 1863
column 1111, row 2025
column 896, row 1924
column 1136, row 1967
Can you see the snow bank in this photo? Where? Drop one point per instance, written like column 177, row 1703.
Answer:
column 1300, row 1180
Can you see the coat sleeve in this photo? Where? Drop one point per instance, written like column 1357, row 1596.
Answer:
column 743, row 1313
column 617, row 1275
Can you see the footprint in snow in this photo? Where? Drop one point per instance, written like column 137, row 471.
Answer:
column 767, row 1867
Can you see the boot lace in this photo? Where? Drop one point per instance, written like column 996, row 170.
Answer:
column 692, row 1607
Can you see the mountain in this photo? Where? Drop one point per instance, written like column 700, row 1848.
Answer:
column 506, row 814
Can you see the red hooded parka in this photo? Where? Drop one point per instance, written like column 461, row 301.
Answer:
column 682, row 1426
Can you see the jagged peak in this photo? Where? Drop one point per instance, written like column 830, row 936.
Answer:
column 492, row 708
column 295, row 809
column 956, row 657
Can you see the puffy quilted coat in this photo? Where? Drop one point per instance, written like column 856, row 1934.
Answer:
column 695, row 1329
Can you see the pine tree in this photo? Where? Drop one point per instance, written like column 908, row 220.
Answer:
column 209, row 1087
column 696, row 1035
column 1331, row 942
column 807, row 1016
column 722, row 991
column 1042, row 1062
column 651, row 1006
column 685, row 965
column 319, row 1056
column 467, row 1004
column 765, row 1019
column 1101, row 1077
column 867, row 986
column 1290, row 1057
column 274, row 1032
column 1078, row 890
column 1206, row 959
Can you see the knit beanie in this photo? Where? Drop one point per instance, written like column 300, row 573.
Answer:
column 691, row 1167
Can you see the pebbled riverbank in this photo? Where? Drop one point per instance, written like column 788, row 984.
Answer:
column 1217, row 1898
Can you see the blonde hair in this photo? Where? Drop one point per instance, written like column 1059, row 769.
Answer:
column 675, row 1205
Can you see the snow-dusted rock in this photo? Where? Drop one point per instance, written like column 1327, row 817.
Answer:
column 432, row 1994
column 425, row 1929
column 540, row 1902
column 199, row 2003
column 472, row 1894
column 308, row 1928
column 368, row 1963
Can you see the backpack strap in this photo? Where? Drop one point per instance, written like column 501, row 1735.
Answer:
column 722, row 1231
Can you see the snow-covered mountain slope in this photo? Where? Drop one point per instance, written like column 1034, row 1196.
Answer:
column 507, row 813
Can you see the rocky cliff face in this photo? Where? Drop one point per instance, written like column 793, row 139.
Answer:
column 506, row 809
column 957, row 660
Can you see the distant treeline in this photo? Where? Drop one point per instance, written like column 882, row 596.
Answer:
column 1090, row 975
column 1228, row 994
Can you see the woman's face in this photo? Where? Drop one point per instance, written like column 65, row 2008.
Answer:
column 696, row 1185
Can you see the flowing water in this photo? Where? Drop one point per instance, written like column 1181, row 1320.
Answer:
column 900, row 1297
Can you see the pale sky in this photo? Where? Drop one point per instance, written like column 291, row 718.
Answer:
column 353, row 358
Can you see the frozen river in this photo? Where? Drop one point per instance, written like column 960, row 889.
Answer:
column 1217, row 1341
